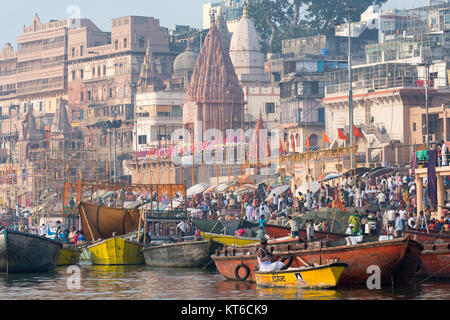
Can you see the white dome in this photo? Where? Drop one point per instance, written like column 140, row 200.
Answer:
column 245, row 50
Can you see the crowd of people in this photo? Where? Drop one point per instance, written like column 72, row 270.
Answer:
column 387, row 204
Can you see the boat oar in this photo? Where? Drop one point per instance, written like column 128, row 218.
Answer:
column 303, row 261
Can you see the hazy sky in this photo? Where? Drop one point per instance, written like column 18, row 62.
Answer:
column 17, row 13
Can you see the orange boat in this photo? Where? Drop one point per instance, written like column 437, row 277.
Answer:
column 429, row 237
column 275, row 232
column 435, row 261
column 397, row 259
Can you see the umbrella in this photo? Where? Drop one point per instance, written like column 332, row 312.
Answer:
column 197, row 189
column 313, row 187
column 222, row 187
column 276, row 191
column 359, row 171
column 380, row 172
column 331, row 176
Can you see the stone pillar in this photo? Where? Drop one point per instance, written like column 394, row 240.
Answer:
column 440, row 195
column 419, row 193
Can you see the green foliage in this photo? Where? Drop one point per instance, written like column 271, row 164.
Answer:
column 277, row 20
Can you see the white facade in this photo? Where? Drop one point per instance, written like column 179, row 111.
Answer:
column 265, row 100
column 159, row 114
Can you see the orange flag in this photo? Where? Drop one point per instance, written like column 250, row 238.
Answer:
column 269, row 152
column 293, row 143
column 281, row 148
column 325, row 137
column 341, row 135
column 308, row 145
column 356, row 132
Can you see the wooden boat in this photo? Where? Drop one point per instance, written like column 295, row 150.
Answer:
column 229, row 240
column 275, row 232
column 116, row 251
column 103, row 222
column 27, row 253
column 69, row 255
column 435, row 261
column 435, row 256
column 312, row 277
column 397, row 259
column 425, row 237
column 191, row 254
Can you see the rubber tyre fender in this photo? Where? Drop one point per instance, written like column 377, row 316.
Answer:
column 290, row 259
column 247, row 272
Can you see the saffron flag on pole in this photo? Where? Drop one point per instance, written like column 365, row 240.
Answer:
column 356, row 132
column 308, row 145
column 293, row 143
column 341, row 136
column 325, row 137
column 281, row 148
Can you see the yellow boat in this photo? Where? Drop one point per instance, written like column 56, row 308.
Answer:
column 68, row 256
column 319, row 277
column 116, row 251
column 229, row 240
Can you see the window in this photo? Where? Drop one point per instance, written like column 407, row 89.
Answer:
column 82, row 74
column 74, row 75
column 81, row 50
column 270, row 107
column 125, row 43
column 73, row 52
column 93, row 71
column 82, row 96
column 24, row 108
column 104, row 70
column 89, row 95
column 177, row 111
column 116, row 44
column 110, row 92
column 40, row 106
column 142, row 139
column 81, row 114
column 321, row 115
column 141, row 42
column 414, row 126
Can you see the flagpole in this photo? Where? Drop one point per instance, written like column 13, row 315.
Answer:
column 339, row 171
column 354, row 170
column 323, row 161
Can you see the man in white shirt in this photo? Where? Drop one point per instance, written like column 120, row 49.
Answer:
column 349, row 230
column 249, row 211
column 182, row 227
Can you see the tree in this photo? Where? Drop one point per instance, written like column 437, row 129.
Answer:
column 270, row 18
column 325, row 15
column 277, row 20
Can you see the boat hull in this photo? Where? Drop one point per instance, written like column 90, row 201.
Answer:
column 397, row 259
column 428, row 238
column 193, row 254
column 68, row 256
column 229, row 240
column 26, row 253
column 435, row 261
column 321, row 277
column 116, row 251
column 276, row 232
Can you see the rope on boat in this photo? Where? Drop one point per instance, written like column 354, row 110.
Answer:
column 442, row 269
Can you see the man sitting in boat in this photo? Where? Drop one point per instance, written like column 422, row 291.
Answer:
column 267, row 261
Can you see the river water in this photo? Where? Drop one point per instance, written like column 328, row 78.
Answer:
column 146, row 283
